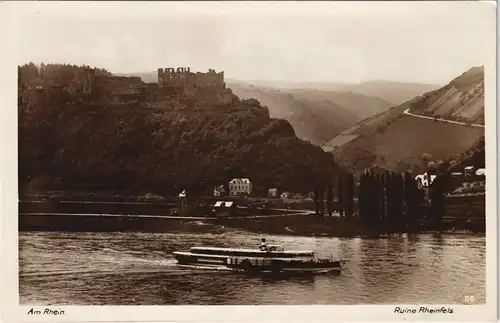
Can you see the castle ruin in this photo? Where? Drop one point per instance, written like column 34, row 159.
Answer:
column 185, row 79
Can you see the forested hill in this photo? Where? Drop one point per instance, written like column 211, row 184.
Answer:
column 72, row 140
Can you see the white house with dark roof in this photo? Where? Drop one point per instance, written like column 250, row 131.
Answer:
column 219, row 190
column 469, row 170
column 424, row 180
column 480, row 172
column 272, row 192
column 240, row 187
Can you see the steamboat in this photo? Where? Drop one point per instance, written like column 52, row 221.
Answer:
column 272, row 259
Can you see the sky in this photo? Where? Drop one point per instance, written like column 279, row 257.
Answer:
column 340, row 42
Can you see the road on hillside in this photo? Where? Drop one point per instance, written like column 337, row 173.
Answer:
column 407, row 112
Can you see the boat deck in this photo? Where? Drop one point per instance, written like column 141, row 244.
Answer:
column 190, row 254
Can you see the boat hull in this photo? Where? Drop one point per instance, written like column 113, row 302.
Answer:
column 259, row 265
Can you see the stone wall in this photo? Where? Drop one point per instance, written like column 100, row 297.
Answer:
column 119, row 85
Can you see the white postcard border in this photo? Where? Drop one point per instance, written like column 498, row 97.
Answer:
column 11, row 311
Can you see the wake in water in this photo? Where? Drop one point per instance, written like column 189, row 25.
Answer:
column 198, row 223
column 205, row 268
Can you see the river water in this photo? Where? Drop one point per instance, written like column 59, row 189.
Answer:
column 64, row 268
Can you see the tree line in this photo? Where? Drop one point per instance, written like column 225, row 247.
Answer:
column 386, row 201
column 54, row 74
column 324, row 193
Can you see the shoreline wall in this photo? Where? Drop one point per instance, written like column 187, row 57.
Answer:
column 302, row 225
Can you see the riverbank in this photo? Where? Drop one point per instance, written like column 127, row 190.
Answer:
column 298, row 224
column 205, row 208
column 118, row 202
column 264, row 215
column 311, row 225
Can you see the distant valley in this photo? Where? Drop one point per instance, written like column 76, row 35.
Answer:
column 318, row 114
column 393, row 92
column 315, row 115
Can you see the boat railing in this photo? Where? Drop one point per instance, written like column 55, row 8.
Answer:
column 275, row 248
column 252, row 253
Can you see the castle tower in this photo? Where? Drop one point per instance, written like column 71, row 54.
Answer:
column 160, row 77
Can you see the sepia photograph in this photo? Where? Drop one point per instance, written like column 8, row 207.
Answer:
column 254, row 153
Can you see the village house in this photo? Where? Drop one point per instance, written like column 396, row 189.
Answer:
column 240, row 187
column 272, row 192
column 284, row 195
column 183, row 207
column 424, row 180
column 219, row 190
column 469, row 170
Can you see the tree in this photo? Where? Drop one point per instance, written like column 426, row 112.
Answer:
column 349, row 196
column 316, row 199
column 321, row 196
column 479, row 158
column 426, row 159
column 413, row 198
column 369, row 199
column 329, row 195
column 363, row 198
column 437, row 192
column 399, row 202
column 340, row 190
column 381, row 196
column 380, row 188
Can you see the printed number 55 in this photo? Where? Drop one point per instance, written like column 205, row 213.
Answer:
column 469, row 299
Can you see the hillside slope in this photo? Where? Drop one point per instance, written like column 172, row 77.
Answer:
column 315, row 115
column 397, row 141
column 460, row 100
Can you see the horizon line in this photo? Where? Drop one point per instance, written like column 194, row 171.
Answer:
column 290, row 82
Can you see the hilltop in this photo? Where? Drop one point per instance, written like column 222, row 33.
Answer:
column 396, row 140
column 79, row 136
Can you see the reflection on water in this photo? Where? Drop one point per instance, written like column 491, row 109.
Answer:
column 138, row 269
